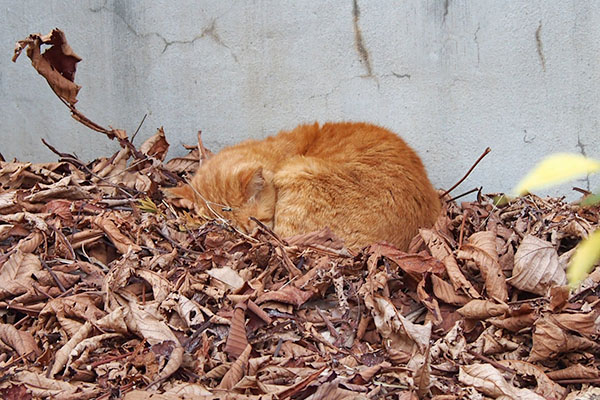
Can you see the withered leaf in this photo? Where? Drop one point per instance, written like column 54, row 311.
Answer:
column 156, row 146
column 237, row 371
column 18, row 273
column 488, row 380
column 290, row 294
column 482, row 309
column 57, row 64
column 536, row 266
column 550, row 340
column 481, row 248
column 237, row 340
column 21, row 341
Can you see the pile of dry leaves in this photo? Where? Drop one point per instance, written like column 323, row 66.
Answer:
column 109, row 289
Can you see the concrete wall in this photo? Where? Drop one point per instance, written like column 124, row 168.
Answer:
column 452, row 77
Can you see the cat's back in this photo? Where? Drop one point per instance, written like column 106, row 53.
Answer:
column 361, row 180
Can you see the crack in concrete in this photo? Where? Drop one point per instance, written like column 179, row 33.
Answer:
column 208, row 32
column 582, row 151
column 446, row 7
column 476, row 40
column 359, row 41
column 400, row 76
column 528, row 138
column 539, row 46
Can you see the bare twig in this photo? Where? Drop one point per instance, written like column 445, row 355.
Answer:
column 485, row 153
column 138, row 128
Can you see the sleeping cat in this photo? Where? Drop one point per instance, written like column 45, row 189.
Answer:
column 361, row 180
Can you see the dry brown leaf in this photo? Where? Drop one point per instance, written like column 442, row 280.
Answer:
column 436, row 244
column 323, row 239
column 414, row 264
column 332, row 391
column 36, row 220
column 237, row 371
column 488, row 380
column 575, row 371
column 482, row 309
column 550, row 340
column 187, row 164
column 237, row 340
column 430, row 302
column 420, row 366
column 367, row 374
column 301, row 385
column 31, row 242
column 458, row 279
column 228, row 276
column 85, row 237
column 536, row 267
column 581, row 323
column 545, row 386
column 120, row 240
column 515, row 324
column 482, row 249
column 145, row 321
column 62, row 355
column 400, row 333
column 60, row 190
column 41, row 387
column 21, row 341
column 445, row 292
column 57, row 64
column 289, row 294
column 18, row 273
column 559, row 298
column 156, row 146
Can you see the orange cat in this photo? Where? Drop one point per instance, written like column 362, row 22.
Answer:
column 361, row 180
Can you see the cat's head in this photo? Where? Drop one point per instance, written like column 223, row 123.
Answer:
column 225, row 188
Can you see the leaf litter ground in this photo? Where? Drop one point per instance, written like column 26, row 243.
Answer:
column 111, row 289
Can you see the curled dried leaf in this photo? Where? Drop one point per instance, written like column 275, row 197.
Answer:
column 482, row 309
column 237, row 340
column 57, row 64
column 482, row 249
column 237, row 371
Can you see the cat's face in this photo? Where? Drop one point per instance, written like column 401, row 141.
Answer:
column 231, row 190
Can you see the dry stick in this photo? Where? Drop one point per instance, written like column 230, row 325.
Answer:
column 139, row 127
column 492, row 362
column 465, row 193
column 53, row 275
column 462, row 230
column 485, row 152
column 16, row 360
column 71, row 159
column 55, row 151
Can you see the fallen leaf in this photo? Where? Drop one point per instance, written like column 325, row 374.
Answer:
column 536, row 267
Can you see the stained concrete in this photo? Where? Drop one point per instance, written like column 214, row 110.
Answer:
column 452, row 77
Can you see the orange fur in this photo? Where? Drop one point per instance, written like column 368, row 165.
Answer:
column 361, row 180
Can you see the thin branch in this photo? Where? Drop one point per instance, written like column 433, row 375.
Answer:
column 485, row 153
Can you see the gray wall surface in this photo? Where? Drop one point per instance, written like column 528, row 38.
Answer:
column 452, row 77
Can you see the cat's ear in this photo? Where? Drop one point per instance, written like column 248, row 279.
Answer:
column 252, row 182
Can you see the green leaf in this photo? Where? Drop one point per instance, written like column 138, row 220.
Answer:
column 148, row 206
column 555, row 169
column 586, row 255
column 591, row 200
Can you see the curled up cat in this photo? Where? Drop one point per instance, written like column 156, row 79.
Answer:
column 361, row 180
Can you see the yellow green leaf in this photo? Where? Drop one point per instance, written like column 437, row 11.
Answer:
column 555, row 169
column 148, row 206
column 586, row 255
